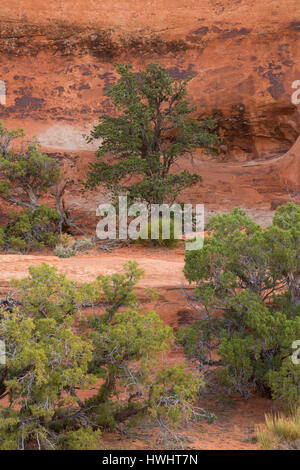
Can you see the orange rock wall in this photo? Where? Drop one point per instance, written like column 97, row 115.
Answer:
column 57, row 61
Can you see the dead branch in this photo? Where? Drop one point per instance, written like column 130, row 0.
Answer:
column 66, row 221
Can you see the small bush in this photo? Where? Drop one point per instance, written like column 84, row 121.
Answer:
column 64, row 251
column 26, row 175
column 83, row 244
column 66, row 240
column 82, row 439
column 68, row 246
column 158, row 226
column 279, row 432
column 30, row 230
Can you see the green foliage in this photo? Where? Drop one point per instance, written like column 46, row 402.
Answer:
column 248, row 297
column 37, row 169
column 128, row 354
column 45, row 293
column 284, row 383
column 154, row 126
column 169, row 242
column 26, row 175
column 176, row 388
column 30, row 170
column 46, row 361
column 30, row 230
column 51, row 356
column 2, row 236
column 82, row 439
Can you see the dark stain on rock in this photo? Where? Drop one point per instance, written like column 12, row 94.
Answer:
column 180, row 74
column 276, row 89
column 85, row 70
column 185, row 317
column 246, row 86
column 23, row 91
column 273, row 73
column 201, row 31
column 285, row 56
column 108, row 78
column 288, row 62
column 235, row 128
column 23, row 78
column 60, row 90
column 221, row 70
column 233, row 33
column 29, row 102
column 62, row 38
column 156, row 45
column 84, row 86
column 63, row 118
column 101, row 45
column 295, row 26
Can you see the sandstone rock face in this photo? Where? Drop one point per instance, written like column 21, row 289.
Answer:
column 56, row 59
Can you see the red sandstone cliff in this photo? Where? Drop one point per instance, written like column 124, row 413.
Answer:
column 56, row 59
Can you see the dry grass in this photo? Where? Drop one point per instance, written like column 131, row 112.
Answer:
column 279, row 432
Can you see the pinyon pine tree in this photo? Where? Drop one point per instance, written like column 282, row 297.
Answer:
column 152, row 127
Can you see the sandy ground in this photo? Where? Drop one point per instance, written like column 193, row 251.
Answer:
column 161, row 269
column 235, row 417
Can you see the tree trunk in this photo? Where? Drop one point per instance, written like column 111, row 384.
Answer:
column 294, row 285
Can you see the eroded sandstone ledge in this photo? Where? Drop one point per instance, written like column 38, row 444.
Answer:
column 56, row 59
